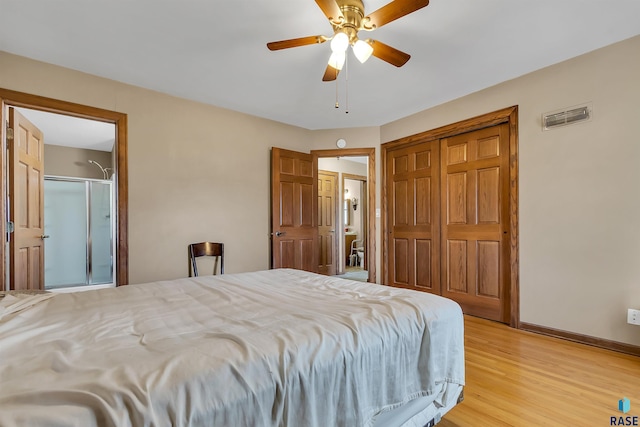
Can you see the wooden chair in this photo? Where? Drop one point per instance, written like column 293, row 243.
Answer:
column 210, row 249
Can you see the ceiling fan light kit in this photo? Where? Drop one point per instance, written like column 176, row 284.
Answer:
column 336, row 60
column 362, row 50
column 347, row 18
column 340, row 42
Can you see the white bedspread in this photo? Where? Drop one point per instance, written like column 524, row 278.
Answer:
column 278, row 347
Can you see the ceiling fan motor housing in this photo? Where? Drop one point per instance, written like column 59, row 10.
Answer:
column 353, row 14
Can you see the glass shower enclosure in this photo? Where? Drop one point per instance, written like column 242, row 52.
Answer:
column 78, row 218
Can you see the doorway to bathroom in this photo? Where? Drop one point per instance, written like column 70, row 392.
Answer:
column 298, row 207
column 61, row 215
column 22, row 260
column 354, row 222
column 61, row 189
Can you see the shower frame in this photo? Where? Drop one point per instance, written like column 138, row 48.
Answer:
column 89, row 245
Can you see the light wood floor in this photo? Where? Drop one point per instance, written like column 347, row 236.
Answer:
column 517, row 378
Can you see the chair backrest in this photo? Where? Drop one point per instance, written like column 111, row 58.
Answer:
column 211, row 249
column 354, row 245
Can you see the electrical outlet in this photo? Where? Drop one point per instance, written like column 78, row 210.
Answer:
column 633, row 316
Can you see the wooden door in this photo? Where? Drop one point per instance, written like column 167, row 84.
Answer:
column 294, row 231
column 413, row 220
column 475, row 221
column 327, row 226
column 26, row 199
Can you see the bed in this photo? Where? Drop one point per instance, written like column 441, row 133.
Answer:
column 271, row 348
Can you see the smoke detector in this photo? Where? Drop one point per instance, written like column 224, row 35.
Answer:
column 567, row 116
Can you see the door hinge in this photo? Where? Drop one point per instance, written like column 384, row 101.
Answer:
column 10, row 229
column 9, row 132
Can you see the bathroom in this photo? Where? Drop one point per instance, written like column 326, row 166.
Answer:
column 76, row 203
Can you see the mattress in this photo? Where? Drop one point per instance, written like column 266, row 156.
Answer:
column 271, row 348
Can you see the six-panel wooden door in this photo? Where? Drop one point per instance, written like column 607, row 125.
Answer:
column 474, row 215
column 327, row 227
column 294, row 212
column 26, row 194
column 414, row 228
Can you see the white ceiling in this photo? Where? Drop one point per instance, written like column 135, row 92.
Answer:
column 358, row 159
column 73, row 132
column 214, row 51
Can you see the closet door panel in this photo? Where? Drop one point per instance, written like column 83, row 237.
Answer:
column 413, row 182
column 474, row 207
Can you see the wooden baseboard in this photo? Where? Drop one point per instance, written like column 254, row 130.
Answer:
column 582, row 339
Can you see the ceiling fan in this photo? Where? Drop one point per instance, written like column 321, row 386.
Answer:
column 347, row 18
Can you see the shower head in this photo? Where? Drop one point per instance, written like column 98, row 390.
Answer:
column 105, row 174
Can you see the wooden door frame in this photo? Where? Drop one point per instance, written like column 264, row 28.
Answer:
column 506, row 115
column 10, row 98
column 370, row 153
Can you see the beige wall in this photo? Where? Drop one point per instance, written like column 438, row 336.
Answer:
column 196, row 172
column 579, row 189
column 199, row 172
column 67, row 161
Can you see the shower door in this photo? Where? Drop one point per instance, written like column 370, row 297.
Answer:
column 100, row 233
column 78, row 221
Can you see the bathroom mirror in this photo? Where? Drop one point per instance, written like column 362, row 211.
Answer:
column 347, row 212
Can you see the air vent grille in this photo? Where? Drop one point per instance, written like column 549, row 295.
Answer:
column 566, row 117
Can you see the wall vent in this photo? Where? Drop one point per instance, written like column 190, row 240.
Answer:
column 566, row 116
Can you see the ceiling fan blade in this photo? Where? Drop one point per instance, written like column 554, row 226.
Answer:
column 331, row 10
column 302, row 41
column 392, row 11
column 389, row 54
column 330, row 74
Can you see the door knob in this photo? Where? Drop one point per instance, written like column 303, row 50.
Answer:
column 44, row 236
column 280, row 233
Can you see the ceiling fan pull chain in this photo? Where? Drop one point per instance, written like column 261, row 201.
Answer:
column 346, row 84
column 337, row 105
